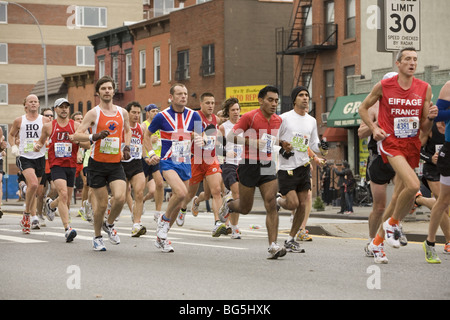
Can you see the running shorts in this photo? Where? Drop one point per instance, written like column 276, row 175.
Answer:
column 409, row 148
column 199, row 171
column 298, row 179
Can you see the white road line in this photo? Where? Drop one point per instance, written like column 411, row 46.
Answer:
column 20, row 239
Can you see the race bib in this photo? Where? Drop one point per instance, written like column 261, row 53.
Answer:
column 300, row 142
column 270, row 141
column 181, row 150
column 29, row 144
column 110, row 145
column 210, row 143
column 63, row 150
column 406, row 127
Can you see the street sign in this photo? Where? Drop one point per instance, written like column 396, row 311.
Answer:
column 402, row 24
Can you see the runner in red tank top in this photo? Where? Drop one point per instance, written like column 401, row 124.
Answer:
column 204, row 165
column 404, row 110
column 62, row 157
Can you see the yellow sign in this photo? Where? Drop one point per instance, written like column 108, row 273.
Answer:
column 247, row 96
column 363, row 155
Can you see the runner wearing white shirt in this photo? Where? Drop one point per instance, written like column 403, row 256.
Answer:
column 298, row 131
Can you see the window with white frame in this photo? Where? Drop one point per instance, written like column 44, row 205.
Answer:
column 3, row 53
column 91, row 17
column 85, row 56
column 3, row 12
column 115, row 71
column 128, row 68
column 350, row 28
column 162, row 7
column 3, row 93
column 101, row 68
column 142, row 67
column 157, row 65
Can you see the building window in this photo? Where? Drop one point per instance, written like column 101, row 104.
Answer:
column 157, row 65
column 162, row 7
column 101, row 68
column 3, row 53
column 329, row 19
column 308, row 35
column 3, row 94
column 182, row 72
column 91, row 17
column 80, row 106
column 350, row 12
column 85, row 56
column 115, row 71
column 142, row 67
column 208, row 64
column 89, row 105
column 329, row 90
column 128, row 68
column 3, row 12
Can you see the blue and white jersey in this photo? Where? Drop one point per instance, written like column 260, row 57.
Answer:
column 176, row 129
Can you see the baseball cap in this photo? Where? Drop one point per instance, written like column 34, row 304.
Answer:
column 60, row 101
column 150, row 107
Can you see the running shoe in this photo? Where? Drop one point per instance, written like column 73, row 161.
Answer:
column 293, row 246
column 157, row 215
column 138, row 230
column 163, row 227
column 164, row 244
column 391, row 234
column 368, row 251
column 276, row 251
column 180, row 218
column 277, row 199
column 88, row 211
column 447, row 248
column 25, row 223
column 70, row 234
column 402, row 239
column 98, row 244
column 49, row 212
column 112, row 233
column 35, row 224
column 378, row 253
column 303, row 235
column 194, row 208
column 224, row 211
column 219, row 229
column 430, row 253
column 235, row 233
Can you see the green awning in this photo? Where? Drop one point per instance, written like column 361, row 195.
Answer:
column 345, row 111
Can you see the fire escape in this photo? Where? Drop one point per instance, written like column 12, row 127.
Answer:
column 305, row 40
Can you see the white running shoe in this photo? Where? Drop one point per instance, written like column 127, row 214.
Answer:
column 224, row 211
column 112, row 233
column 194, row 208
column 70, row 234
column 162, row 228
column 164, row 245
column 50, row 213
column 392, row 234
column 98, row 245
column 378, row 253
column 180, row 218
column 276, row 251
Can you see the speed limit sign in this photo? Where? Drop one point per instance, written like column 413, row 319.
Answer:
column 402, row 24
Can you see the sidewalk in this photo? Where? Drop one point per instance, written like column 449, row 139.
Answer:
column 327, row 222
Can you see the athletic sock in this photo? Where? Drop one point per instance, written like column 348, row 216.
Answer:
column 431, row 244
column 165, row 218
column 378, row 240
column 392, row 221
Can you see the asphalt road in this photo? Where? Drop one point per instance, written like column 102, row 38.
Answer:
column 42, row 266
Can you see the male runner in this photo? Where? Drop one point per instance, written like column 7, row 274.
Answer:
column 29, row 162
column 443, row 202
column 110, row 126
column 133, row 168
column 62, row 157
column 404, row 110
column 298, row 131
column 177, row 125
column 260, row 130
column 204, row 165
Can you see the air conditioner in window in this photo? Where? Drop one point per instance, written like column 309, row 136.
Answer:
column 325, row 117
column 128, row 84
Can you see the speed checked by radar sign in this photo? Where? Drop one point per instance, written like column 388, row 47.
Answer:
column 402, row 19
